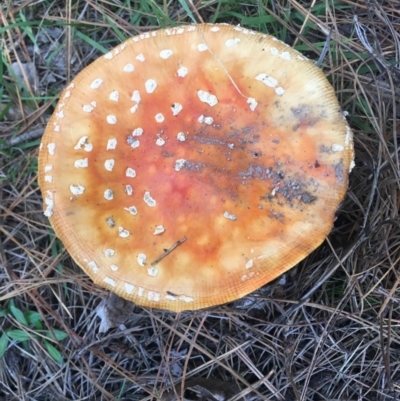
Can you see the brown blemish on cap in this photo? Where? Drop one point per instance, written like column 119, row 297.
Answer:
column 227, row 138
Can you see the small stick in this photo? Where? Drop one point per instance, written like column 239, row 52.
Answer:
column 26, row 136
column 169, row 250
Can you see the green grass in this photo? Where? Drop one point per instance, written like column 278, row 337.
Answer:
column 31, row 328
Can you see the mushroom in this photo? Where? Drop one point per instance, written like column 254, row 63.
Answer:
column 190, row 166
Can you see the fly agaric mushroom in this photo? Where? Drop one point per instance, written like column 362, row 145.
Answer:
column 189, row 166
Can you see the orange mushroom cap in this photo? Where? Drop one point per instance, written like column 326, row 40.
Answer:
column 189, row 166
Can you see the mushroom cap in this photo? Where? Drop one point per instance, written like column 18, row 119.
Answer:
column 190, row 166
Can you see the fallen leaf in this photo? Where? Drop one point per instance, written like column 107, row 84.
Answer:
column 113, row 312
column 26, row 73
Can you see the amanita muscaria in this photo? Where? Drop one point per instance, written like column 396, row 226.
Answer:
column 189, row 166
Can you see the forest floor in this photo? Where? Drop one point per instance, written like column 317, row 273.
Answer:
column 329, row 329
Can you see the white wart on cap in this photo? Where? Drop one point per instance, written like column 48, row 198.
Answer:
column 190, row 166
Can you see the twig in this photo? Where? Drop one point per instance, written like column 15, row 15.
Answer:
column 33, row 134
column 169, row 250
